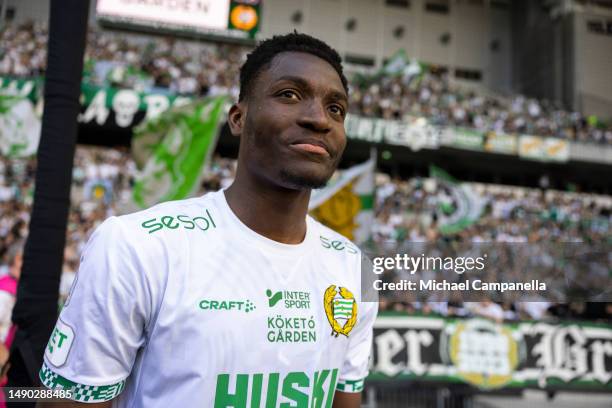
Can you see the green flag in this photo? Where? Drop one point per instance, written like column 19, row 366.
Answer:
column 396, row 64
column 19, row 126
column 460, row 207
column 177, row 145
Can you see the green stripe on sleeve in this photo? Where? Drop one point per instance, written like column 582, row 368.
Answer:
column 350, row 385
column 80, row 392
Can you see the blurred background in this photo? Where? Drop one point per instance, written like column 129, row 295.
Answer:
column 480, row 121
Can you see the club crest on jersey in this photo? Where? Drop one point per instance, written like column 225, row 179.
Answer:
column 341, row 310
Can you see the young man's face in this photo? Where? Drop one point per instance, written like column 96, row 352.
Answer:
column 292, row 122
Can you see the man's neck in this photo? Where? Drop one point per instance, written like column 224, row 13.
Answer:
column 276, row 213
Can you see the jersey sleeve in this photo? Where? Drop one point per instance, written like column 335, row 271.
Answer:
column 102, row 326
column 355, row 367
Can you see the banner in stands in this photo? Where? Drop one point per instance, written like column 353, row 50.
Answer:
column 414, row 133
column 500, row 143
column 28, row 88
column 492, row 356
column 556, row 149
column 543, row 148
column 123, row 108
column 462, row 138
column 103, row 106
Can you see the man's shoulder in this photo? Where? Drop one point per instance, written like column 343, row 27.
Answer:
column 156, row 225
column 171, row 215
column 346, row 258
column 334, row 243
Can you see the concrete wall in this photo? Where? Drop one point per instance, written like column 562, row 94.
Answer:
column 593, row 63
column 472, row 26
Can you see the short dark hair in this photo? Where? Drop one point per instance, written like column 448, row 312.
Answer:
column 264, row 53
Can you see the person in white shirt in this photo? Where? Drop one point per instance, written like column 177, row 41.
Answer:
column 237, row 298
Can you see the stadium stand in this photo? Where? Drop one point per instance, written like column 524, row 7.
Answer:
column 518, row 221
column 194, row 68
column 406, row 214
column 406, row 209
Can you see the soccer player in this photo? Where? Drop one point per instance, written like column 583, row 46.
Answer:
column 237, row 298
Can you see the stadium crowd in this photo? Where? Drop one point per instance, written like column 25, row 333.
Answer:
column 167, row 65
column 434, row 96
column 406, row 219
column 561, row 238
column 408, row 210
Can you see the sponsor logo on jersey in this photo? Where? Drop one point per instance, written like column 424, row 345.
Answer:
column 227, row 305
column 59, row 344
column 293, row 299
column 297, row 389
column 290, row 325
column 340, row 309
column 337, row 245
column 282, row 329
column 202, row 222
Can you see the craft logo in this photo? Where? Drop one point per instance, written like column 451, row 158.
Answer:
column 341, row 310
column 485, row 354
column 220, row 305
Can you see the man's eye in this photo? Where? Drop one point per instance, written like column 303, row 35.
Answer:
column 288, row 93
column 336, row 110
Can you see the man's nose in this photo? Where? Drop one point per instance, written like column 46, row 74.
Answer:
column 314, row 117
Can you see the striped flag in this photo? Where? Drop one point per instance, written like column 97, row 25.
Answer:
column 346, row 203
column 343, row 308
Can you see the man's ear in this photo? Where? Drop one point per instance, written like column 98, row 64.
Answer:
column 235, row 118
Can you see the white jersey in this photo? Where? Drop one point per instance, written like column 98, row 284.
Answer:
column 183, row 305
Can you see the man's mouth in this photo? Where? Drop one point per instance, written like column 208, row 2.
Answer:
column 310, row 148
column 313, row 147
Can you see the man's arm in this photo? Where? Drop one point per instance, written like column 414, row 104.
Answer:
column 102, row 326
column 347, row 400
